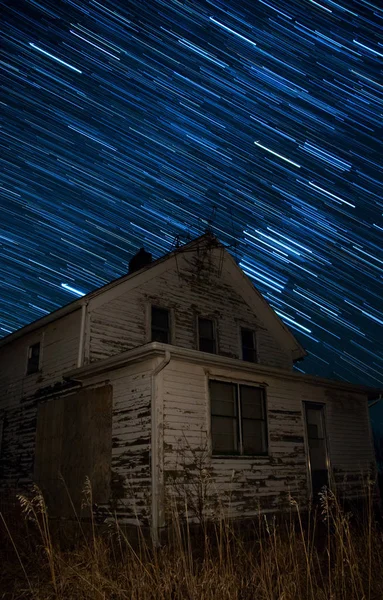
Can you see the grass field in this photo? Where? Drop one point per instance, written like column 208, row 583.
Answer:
column 330, row 554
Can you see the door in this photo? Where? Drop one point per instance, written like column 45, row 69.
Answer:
column 317, row 447
column 74, row 441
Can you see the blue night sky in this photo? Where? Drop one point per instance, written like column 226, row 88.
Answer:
column 129, row 123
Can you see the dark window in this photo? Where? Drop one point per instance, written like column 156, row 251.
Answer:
column 249, row 351
column 33, row 358
column 238, row 419
column 206, row 336
column 160, row 325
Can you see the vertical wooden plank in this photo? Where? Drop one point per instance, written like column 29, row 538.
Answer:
column 100, row 438
column 87, row 444
column 48, row 451
column 74, row 441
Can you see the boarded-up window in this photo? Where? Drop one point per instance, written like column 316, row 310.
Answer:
column 74, row 441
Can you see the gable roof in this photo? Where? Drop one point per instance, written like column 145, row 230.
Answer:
column 245, row 287
column 77, row 304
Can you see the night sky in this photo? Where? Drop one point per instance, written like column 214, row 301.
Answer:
column 130, row 123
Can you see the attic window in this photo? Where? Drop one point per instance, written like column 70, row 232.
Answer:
column 206, row 335
column 249, row 351
column 238, row 419
column 33, row 358
column 160, row 325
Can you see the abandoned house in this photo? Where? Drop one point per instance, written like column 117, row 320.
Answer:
column 174, row 380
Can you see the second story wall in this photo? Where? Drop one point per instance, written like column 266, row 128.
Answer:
column 190, row 284
column 59, row 344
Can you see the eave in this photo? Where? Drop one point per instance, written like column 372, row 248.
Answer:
column 154, row 349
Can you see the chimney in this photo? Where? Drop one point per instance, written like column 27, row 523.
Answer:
column 139, row 260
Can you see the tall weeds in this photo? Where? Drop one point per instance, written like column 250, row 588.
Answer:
column 326, row 554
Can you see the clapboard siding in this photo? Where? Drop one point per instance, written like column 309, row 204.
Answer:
column 130, row 494
column 59, row 350
column 351, row 450
column 121, row 323
column 19, row 392
column 242, row 485
column 247, row 484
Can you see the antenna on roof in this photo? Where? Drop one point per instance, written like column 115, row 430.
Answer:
column 212, row 219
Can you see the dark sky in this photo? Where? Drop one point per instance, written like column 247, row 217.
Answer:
column 125, row 123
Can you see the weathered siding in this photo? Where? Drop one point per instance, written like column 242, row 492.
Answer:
column 130, row 476
column 246, row 484
column 188, row 289
column 243, row 485
column 59, row 350
column 349, row 437
column 19, row 392
column 130, row 488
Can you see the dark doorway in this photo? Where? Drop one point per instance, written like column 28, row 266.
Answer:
column 316, row 439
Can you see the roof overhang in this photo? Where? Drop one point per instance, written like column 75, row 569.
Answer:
column 77, row 304
column 154, row 349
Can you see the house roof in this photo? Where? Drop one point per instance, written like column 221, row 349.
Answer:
column 247, row 287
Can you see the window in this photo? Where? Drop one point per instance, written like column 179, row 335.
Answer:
column 206, row 335
column 160, row 325
column 238, row 418
column 33, row 358
column 249, row 351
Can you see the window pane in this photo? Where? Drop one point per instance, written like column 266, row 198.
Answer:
column 314, row 423
column 247, row 338
column 160, row 318
column 224, row 434
column 207, row 345
column 206, row 329
column 249, row 354
column 160, row 336
column 223, row 398
column 318, row 458
column 254, row 436
column 252, row 402
column 33, row 358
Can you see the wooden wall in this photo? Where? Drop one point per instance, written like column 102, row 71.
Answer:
column 130, row 476
column 20, row 393
column 74, row 442
column 188, row 289
column 246, row 484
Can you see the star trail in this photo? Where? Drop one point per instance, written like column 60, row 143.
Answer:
column 129, row 123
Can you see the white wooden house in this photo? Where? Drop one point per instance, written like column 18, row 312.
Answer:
column 177, row 375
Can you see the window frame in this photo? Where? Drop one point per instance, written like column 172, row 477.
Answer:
column 215, row 330
column 238, row 398
column 28, row 371
column 255, row 341
column 170, row 323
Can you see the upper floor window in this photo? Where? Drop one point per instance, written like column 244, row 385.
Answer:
column 249, row 350
column 238, row 418
column 33, row 363
column 160, row 325
column 206, row 335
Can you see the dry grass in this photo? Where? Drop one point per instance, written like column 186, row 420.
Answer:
column 332, row 555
